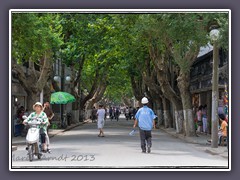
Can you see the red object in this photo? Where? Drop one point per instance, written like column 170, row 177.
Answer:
column 226, row 119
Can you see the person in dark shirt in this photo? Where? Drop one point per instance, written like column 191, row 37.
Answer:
column 50, row 115
column 48, row 111
column 94, row 114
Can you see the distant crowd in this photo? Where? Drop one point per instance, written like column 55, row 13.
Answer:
column 114, row 112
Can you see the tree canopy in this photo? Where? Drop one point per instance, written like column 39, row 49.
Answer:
column 113, row 49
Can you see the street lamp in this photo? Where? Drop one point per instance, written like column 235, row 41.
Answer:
column 68, row 78
column 61, row 80
column 214, row 35
column 57, row 78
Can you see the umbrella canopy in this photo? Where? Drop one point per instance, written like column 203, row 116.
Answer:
column 61, row 98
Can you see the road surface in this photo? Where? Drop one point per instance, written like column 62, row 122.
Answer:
column 82, row 148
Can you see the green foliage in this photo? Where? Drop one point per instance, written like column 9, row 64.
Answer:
column 114, row 46
column 180, row 34
column 223, row 21
column 33, row 34
column 119, row 84
column 94, row 37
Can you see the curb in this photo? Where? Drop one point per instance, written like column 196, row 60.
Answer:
column 15, row 144
column 14, row 148
column 212, row 152
column 68, row 128
column 180, row 136
column 189, row 140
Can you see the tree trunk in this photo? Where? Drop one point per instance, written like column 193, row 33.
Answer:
column 33, row 81
column 97, row 96
column 47, row 93
column 158, row 109
column 75, row 105
column 32, row 98
column 163, row 77
column 126, row 101
column 150, row 79
column 183, row 85
column 155, row 94
column 75, row 83
column 81, row 115
column 169, row 93
column 137, row 87
column 93, row 90
column 166, row 113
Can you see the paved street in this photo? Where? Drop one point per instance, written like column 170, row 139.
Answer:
column 81, row 148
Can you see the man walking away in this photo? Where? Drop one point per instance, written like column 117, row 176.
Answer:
column 145, row 120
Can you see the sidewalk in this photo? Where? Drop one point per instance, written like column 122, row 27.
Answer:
column 201, row 139
column 16, row 141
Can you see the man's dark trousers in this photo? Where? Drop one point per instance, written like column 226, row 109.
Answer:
column 145, row 136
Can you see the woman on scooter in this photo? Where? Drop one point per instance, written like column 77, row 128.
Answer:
column 40, row 115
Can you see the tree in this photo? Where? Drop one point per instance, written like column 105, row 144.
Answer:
column 187, row 32
column 116, row 56
column 171, row 40
column 178, row 38
column 89, row 50
column 35, row 38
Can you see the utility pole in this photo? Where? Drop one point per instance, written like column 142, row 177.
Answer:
column 62, row 89
column 214, row 34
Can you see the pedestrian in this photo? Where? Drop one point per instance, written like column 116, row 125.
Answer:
column 130, row 112
column 221, row 105
column 145, row 120
column 111, row 113
column 204, row 119
column 127, row 113
column 199, row 119
column 117, row 113
column 100, row 120
column 135, row 111
column 94, row 114
column 47, row 109
column 20, row 114
column 41, row 116
column 222, row 132
column 106, row 111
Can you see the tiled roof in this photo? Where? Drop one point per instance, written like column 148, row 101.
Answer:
column 205, row 49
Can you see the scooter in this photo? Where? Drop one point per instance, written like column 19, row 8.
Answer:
column 33, row 139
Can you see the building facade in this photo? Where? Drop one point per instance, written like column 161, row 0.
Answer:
column 201, row 80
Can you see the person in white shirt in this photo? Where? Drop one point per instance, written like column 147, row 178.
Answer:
column 100, row 120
